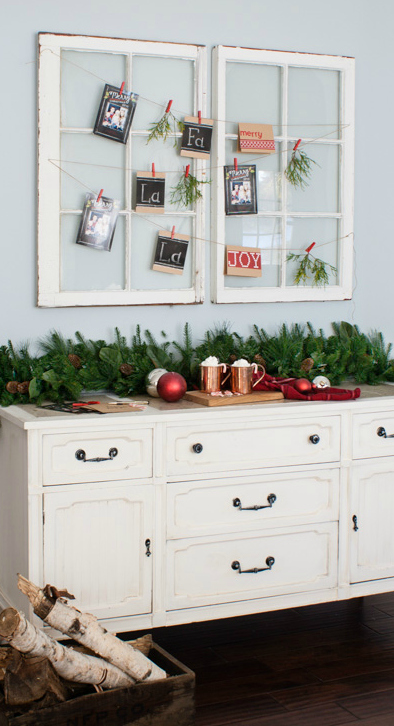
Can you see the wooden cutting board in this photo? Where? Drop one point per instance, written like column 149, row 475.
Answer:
column 205, row 399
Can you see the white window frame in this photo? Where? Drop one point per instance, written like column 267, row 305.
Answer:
column 49, row 176
column 344, row 288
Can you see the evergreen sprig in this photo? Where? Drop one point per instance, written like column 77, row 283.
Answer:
column 312, row 269
column 299, row 168
column 187, row 191
column 165, row 127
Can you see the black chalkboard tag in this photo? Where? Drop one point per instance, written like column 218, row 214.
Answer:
column 150, row 192
column 170, row 254
column 197, row 137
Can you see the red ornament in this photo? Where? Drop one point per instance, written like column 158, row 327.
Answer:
column 171, row 386
column 302, row 385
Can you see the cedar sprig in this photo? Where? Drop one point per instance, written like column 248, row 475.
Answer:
column 299, row 168
column 187, row 191
column 311, row 268
column 167, row 125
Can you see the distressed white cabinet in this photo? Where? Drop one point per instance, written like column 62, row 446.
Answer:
column 181, row 513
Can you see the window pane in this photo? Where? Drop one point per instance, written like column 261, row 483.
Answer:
column 252, row 231
column 144, row 234
column 314, row 103
column 269, row 177
column 300, row 233
column 321, row 193
column 84, row 268
column 156, row 80
column 93, row 162
column 253, row 95
column 83, row 76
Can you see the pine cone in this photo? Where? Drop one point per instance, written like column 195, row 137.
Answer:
column 259, row 359
column 232, row 358
column 75, row 360
column 12, row 386
column 23, row 387
column 307, row 365
column 126, row 369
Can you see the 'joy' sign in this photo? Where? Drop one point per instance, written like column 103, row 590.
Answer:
column 243, row 261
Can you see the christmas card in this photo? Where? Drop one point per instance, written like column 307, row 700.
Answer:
column 150, row 192
column 115, row 113
column 170, row 255
column 97, row 227
column 240, row 189
column 196, row 137
column 256, row 138
column 243, row 261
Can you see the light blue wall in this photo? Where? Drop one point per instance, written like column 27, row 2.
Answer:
column 357, row 28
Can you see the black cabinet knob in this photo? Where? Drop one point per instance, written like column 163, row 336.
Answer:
column 314, row 439
column 197, row 448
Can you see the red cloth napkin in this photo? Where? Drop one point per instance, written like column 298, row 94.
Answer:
column 286, row 385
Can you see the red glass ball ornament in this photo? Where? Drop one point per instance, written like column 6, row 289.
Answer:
column 171, row 386
column 302, row 385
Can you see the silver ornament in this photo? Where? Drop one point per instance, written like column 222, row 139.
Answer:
column 152, row 380
column 321, row 382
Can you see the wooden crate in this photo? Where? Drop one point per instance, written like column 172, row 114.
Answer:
column 168, row 702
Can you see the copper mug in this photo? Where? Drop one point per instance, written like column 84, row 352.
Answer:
column 241, row 378
column 212, row 378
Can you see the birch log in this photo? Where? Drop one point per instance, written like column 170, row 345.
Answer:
column 69, row 664
column 85, row 629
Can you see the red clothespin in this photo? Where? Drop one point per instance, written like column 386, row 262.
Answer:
column 121, row 88
column 173, row 232
column 297, row 145
column 199, row 117
column 100, row 195
column 153, row 170
column 308, row 249
column 168, row 106
column 187, row 171
column 235, row 163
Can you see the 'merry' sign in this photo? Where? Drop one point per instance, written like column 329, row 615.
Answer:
column 243, row 261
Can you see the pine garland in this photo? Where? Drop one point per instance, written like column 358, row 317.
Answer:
column 123, row 366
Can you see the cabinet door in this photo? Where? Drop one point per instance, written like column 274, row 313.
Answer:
column 372, row 533
column 94, row 546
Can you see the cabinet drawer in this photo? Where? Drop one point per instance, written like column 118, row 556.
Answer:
column 212, row 571
column 367, row 441
column 211, row 448
column 63, row 462
column 249, row 503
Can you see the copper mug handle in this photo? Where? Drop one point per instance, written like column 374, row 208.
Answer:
column 226, row 377
column 256, row 367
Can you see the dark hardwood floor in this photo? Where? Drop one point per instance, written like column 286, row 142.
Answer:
column 322, row 665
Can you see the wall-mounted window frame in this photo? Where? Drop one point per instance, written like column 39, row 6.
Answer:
column 51, row 292
column 238, row 290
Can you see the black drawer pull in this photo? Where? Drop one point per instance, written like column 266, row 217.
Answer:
column 271, row 499
column 81, row 456
column 382, row 432
column 270, row 561
column 355, row 523
column 197, row 448
column 314, row 439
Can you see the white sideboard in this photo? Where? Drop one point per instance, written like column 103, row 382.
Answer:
column 181, row 512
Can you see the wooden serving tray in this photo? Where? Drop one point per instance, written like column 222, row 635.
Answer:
column 205, row 399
